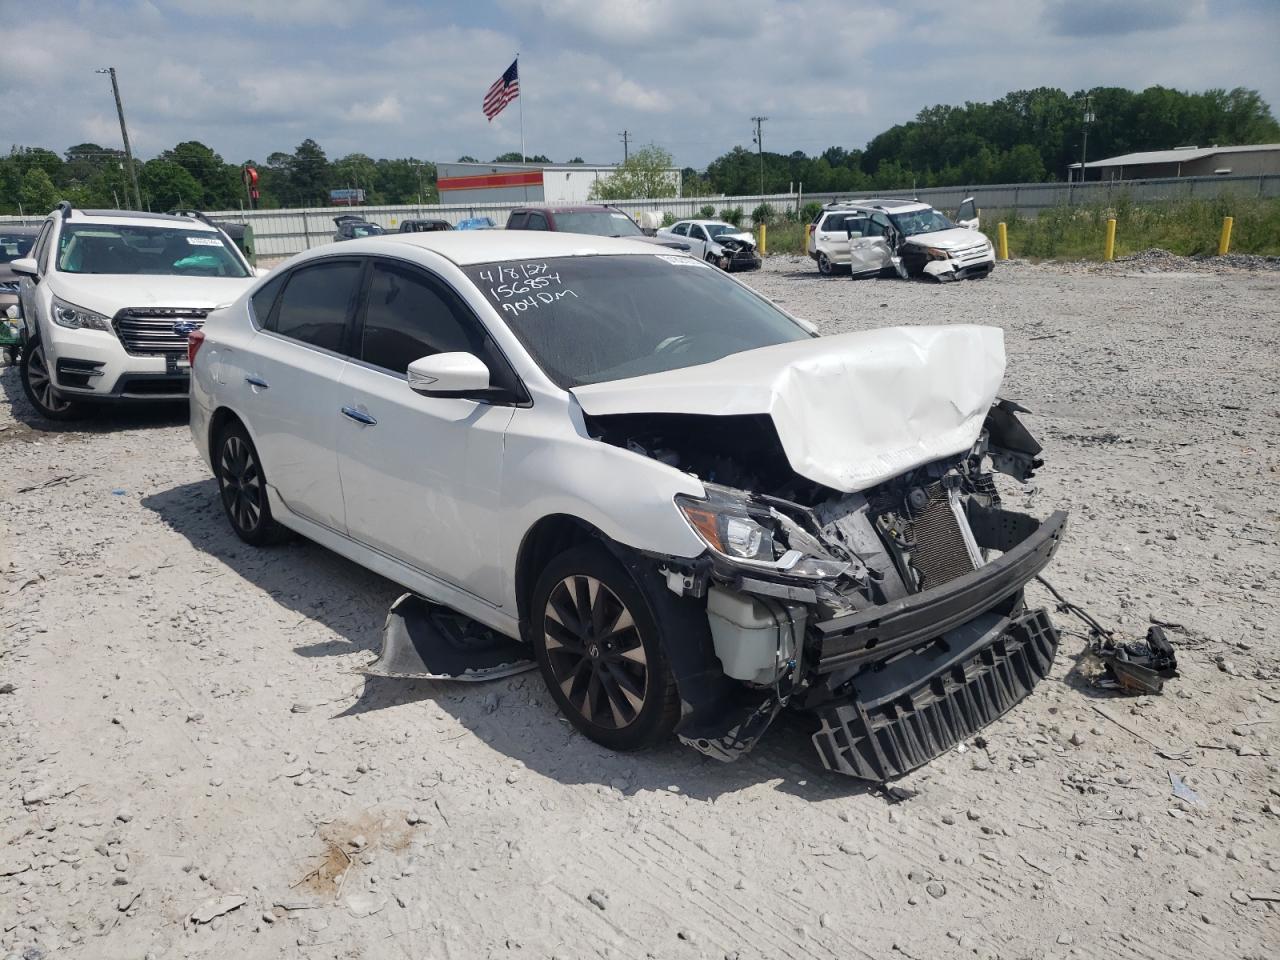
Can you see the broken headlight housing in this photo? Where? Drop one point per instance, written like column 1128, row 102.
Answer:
column 937, row 253
column 728, row 528
column 78, row 318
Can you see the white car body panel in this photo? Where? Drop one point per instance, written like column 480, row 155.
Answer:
column 699, row 245
column 851, row 410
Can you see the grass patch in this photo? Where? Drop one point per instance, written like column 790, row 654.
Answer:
column 1184, row 227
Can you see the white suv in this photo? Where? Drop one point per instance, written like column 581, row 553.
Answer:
column 108, row 298
column 693, row 510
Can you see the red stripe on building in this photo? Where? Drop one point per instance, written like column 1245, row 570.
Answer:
column 482, row 181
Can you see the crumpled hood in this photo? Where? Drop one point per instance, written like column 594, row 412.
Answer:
column 851, row 410
column 107, row 294
column 956, row 238
column 743, row 236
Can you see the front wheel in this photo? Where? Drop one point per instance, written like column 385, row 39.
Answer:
column 37, row 384
column 242, row 487
column 598, row 647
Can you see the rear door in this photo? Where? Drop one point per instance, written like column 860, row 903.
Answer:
column 421, row 475
column 288, row 386
column 832, row 238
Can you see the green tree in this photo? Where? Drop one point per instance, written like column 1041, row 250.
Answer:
column 466, row 158
column 645, row 175
column 167, row 185
column 356, row 171
column 220, row 183
column 517, row 158
column 308, row 174
column 37, row 194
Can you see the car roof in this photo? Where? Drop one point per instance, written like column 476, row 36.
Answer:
column 894, row 204
column 465, row 247
column 564, row 208
column 711, row 223
column 138, row 217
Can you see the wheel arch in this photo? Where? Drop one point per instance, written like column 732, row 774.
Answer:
column 549, row 536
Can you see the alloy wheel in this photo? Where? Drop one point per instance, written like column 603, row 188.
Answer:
column 42, row 384
column 241, row 483
column 595, row 652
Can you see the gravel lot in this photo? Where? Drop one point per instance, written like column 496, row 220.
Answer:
column 185, row 735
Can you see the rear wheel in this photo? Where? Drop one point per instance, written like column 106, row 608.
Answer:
column 599, row 650
column 242, row 487
column 37, row 384
column 825, row 266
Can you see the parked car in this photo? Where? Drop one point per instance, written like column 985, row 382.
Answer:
column 424, row 226
column 727, row 246
column 352, row 227
column 108, row 299
column 595, row 219
column 477, row 223
column 867, row 235
column 15, row 243
column 659, row 480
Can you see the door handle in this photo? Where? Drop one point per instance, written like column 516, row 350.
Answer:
column 257, row 382
column 359, row 416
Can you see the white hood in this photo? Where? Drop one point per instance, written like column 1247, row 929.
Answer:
column 851, row 410
column 956, row 238
column 108, row 293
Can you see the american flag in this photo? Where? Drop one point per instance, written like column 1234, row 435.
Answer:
column 505, row 89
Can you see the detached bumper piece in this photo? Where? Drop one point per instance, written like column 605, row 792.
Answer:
column 919, row 706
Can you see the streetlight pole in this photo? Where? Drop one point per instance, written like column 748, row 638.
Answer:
column 124, row 134
column 1084, row 140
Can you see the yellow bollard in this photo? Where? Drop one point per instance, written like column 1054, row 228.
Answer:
column 1224, row 241
column 808, row 231
column 764, row 231
column 1002, row 241
column 1110, row 252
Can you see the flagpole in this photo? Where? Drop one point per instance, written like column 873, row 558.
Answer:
column 521, row 99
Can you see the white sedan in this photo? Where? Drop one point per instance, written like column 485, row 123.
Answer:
column 727, row 246
column 693, row 509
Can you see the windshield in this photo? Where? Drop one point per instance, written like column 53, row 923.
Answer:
column 920, row 221
column 715, row 229
column 156, row 251
column 599, row 223
column 591, row 319
column 15, row 245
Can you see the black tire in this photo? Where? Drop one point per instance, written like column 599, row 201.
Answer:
column 37, row 384
column 825, row 266
column 609, row 676
column 242, row 487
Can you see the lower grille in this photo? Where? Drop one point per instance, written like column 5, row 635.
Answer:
column 940, row 554
column 921, row 705
column 152, row 331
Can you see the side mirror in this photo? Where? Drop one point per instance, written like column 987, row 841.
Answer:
column 26, row 266
column 448, row 375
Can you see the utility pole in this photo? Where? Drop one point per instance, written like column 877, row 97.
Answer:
column 625, row 137
column 124, row 135
column 1084, row 140
column 759, row 141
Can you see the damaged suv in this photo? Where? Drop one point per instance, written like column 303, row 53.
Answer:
column 692, row 509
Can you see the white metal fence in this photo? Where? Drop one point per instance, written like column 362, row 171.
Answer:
column 282, row 233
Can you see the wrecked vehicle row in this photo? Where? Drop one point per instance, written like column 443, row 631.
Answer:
column 687, row 508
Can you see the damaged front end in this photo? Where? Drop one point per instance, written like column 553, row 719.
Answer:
column 734, row 253
column 894, row 614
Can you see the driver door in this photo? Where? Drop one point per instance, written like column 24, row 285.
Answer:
column 967, row 215
column 421, row 475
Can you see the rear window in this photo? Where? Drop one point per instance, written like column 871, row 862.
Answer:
column 316, row 302
column 599, row 223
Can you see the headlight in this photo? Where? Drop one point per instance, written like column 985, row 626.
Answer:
column 728, row 529
column 78, row 318
column 937, row 253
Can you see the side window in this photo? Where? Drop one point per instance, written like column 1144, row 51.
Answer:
column 697, row 233
column 537, row 222
column 265, row 299
column 518, row 221
column 680, row 229
column 410, row 316
column 880, row 224
column 316, row 302
column 42, row 244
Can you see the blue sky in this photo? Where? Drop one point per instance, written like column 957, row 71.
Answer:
column 398, row 78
